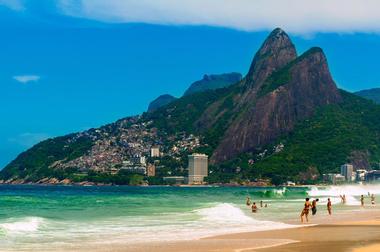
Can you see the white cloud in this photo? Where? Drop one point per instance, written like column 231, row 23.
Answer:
column 28, row 139
column 26, row 78
column 16, row 5
column 297, row 16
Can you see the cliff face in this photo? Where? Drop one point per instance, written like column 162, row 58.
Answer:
column 288, row 95
column 276, row 51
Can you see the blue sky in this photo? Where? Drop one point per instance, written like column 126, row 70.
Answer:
column 70, row 65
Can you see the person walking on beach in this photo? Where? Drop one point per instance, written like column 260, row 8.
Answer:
column 254, row 207
column 373, row 199
column 305, row 211
column 344, row 199
column 261, row 203
column 329, row 206
column 362, row 200
column 314, row 206
column 248, row 202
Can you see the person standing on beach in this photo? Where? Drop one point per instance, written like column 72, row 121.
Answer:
column 305, row 211
column 344, row 198
column 254, row 207
column 373, row 199
column 314, row 206
column 329, row 206
column 261, row 203
column 362, row 200
column 248, row 202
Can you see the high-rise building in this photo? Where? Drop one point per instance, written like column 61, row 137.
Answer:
column 198, row 168
column 346, row 170
column 155, row 151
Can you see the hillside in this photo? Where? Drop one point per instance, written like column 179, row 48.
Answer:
column 371, row 94
column 160, row 101
column 285, row 120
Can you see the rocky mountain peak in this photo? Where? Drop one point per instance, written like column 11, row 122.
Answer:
column 276, row 51
column 288, row 95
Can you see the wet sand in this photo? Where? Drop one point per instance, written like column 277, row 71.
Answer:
column 329, row 234
column 363, row 236
column 342, row 235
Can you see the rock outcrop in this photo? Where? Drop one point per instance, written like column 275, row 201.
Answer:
column 287, row 95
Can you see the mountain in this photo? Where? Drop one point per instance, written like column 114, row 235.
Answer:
column 160, row 101
column 371, row 94
column 285, row 120
column 209, row 82
column 213, row 81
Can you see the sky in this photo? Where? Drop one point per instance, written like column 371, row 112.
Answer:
column 67, row 66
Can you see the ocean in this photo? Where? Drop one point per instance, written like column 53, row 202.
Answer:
column 37, row 218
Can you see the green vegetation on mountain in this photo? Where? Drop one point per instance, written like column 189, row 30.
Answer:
column 180, row 115
column 35, row 163
column 324, row 142
column 371, row 94
column 212, row 82
column 160, row 101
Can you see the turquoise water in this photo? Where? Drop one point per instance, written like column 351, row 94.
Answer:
column 44, row 217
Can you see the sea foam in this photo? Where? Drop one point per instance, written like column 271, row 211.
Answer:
column 23, row 225
column 352, row 192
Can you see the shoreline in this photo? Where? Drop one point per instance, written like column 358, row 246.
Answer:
column 88, row 184
column 354, row 232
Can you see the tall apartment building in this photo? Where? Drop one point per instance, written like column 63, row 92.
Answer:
column 155, row 151
column 347, row 170
column 198, row 168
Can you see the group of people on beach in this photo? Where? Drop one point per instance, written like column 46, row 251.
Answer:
column 254, row 206
column 310, row 205
column 313, row 205
column 372, row 196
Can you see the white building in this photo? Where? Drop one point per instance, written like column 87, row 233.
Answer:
column 346, row 170
column 198, row 168
column 338, row 179
column 155, row 151
column 360, row 174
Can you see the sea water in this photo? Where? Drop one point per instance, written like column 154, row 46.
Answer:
column 45, row 217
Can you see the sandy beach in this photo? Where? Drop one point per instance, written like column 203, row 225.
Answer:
column 355, row 236
column 352, row 232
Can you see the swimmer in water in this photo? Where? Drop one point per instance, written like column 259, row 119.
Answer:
column 248, row 202
column 314, row 206
column 254, row 207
